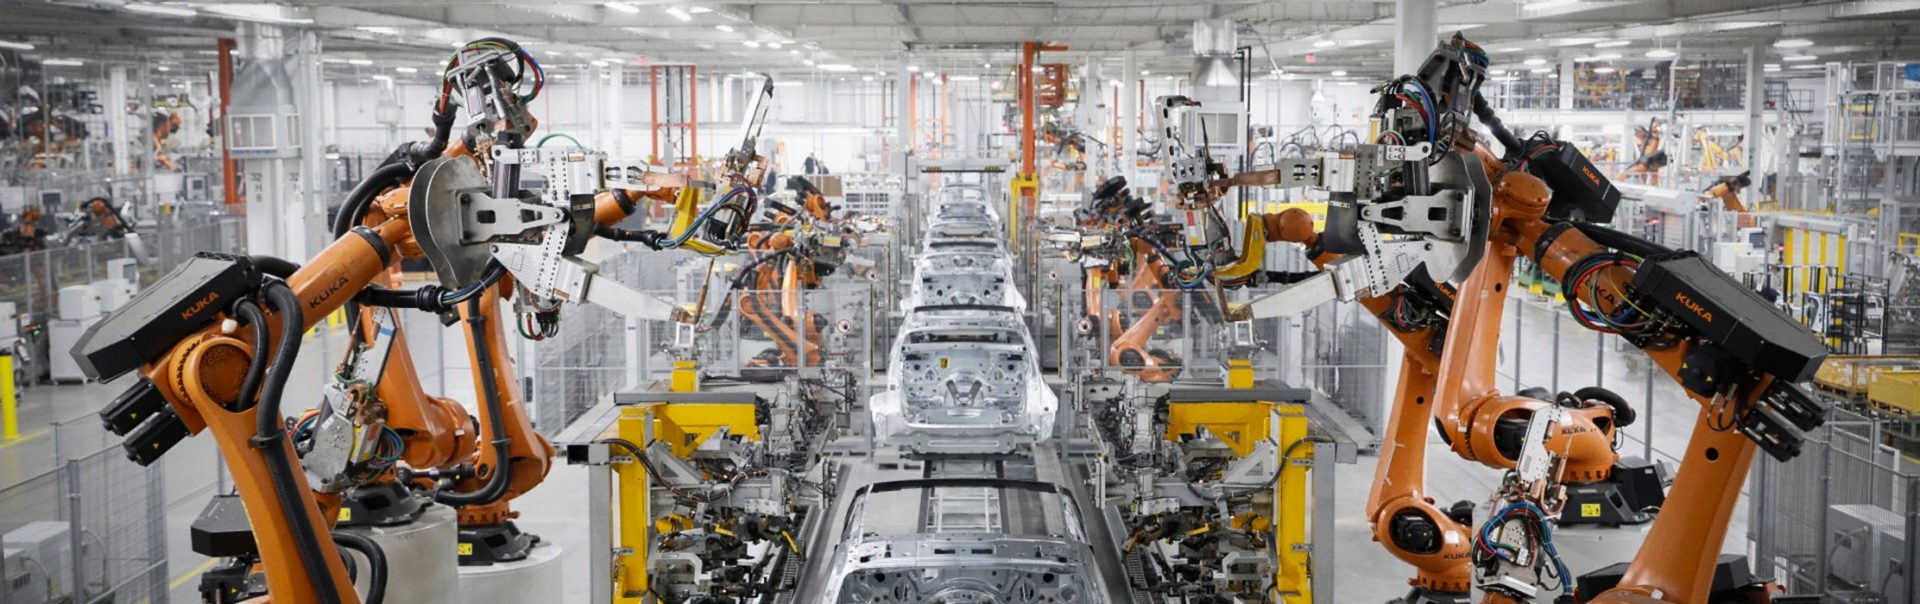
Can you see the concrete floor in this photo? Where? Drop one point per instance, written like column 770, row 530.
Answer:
column 557, row 511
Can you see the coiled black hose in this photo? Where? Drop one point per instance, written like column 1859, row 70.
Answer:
column 376, row 563
column 270, row 436
column 355, row 207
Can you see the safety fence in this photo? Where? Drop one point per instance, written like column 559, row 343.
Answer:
column 31, row 280
column 1841, row 521
column 91, row 528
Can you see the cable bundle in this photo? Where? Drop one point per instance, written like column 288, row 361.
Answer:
column 1532, row 521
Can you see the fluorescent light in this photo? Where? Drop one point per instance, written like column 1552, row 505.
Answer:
column 964, row 78
column 385, row 31
column 264, row 13
column 1539, row 4
column 560, row 76
column 913, row 69
column 773, row 45
column 625, row 7
column 787, row 83
column 679, row 14
column 724, row 27
column 1661, row 53
column 866, row 78
column 1498, row 72
column 699, row 10
column 161, row 9
column 15, row 45
column 1145, row 72
column 1113, row 83
column 1346, row 83
column 1535, row 61
column 1340, row 74
column 1511, row 49
column 597, row 63
column 1772, row 67
column 996, row 84
column 406, row 70
column 1795, row 67
column 1612, row 43
column 1793, row 43
column 614, row 60
column 1603, row 70
column 809, row 62
column 164, row 69
column 986, row 66
column 1798, row 58
column 1609, row 56
column 793, row 51
column 1325, row 44
column 750, row 43
column 842, row 67
column 1542, row 70
column 360, row 62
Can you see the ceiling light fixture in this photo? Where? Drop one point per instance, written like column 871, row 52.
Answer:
column 793, row 51
column 1511, row 49
column 1145, row 72
column 1599, row 57
column 1535, row 61
column 1661, row 53
column 724, row 27
column 1340, row 73
column 1604, row 70
column 15, row 45
column 1793, row 43
column 913, row 69
column 597, row 63
column 1541, row 70
column 809, row 62
column 162, row 9
column 838, row 67
column 406, row 70
column 964, row 78
column 866, row 78
column 1325, row 44
column 1539, row 4
column 679, row 14
column 625, row 7
column 360, row 62
column 699, row 10
column 1795, row 67
column 773, row 45
column 1612, row 43
column 63, row 62
column 1771, row 67
column 164, row 69
column 1798, row 58
column 751, row 43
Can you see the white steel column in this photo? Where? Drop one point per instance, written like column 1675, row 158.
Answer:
column 1418, row 32
column 902, row 121
column 1129, row 113
column 1756, row 102
column 117, row 120
column 610, row 110
column 1566, row 83
column 307, row 233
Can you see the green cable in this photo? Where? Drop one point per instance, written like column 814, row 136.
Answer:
column 570, row 138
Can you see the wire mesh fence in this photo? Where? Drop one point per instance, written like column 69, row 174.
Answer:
column 30, row 280
column 1843, row 520
column 91, row 528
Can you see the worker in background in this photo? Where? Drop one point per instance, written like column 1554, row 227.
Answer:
column 814, row 166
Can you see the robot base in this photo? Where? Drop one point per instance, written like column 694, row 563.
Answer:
column 1733, row 581
column 492, row 544
column 421, row 563
column 383, row 505
column 535, row 578
column 1422, row 596
column 1635, row 488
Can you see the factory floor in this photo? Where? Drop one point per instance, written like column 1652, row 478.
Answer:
column 557, row 511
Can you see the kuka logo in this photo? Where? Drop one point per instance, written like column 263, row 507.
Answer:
column 1694, row 306
column 327, row 293
column 199, row 306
